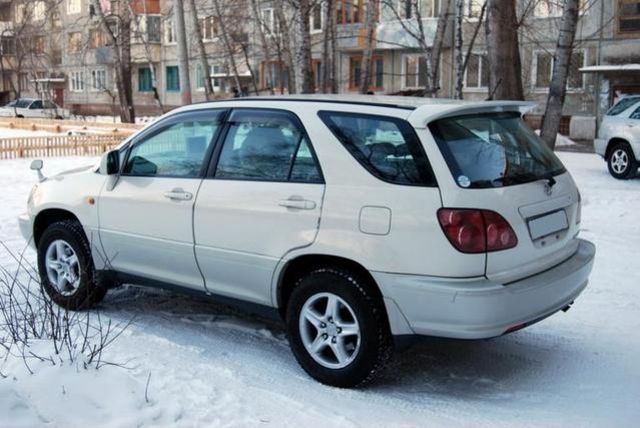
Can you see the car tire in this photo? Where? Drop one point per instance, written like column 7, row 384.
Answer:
column 622, row 162
column 66, row 268
column 364, row 353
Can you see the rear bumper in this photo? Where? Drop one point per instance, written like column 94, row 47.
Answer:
column 479, row 308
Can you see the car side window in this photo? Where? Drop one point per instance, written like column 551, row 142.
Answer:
column 385, row 146
column 49, row 105
column 36, row 105
column 266, row 145
column 176, row 150
column 635, row 114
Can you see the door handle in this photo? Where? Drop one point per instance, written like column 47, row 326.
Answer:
column 178, row 195
column 298, row 203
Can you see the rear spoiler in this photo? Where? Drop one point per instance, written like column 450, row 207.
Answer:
column 427, row 113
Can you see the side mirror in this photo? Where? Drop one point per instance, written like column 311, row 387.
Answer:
column 110, row 163
column 37, row 165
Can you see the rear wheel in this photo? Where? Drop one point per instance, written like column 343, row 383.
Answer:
column 337, row 328
column 66, row 268
column 622, row 162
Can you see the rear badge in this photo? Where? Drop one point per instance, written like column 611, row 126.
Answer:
column 464, row 181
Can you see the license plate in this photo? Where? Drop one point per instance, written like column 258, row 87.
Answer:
column 548, row 224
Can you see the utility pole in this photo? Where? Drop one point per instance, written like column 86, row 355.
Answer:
column 183, row 54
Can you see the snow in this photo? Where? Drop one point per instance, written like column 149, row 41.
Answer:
column 213, row 366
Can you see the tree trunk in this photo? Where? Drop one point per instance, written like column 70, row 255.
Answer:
column 367, row 54
column 503, row 48
column 287, row 43
column 227, row 44
column 458, row 48
column 264, row 42
column 303, row 47
column 121, row 43
column 183, row 53
column 561, row 63
column 202, row 52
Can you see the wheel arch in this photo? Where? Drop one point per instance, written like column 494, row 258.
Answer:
column 47, row 217
column 611, row 144
column 308, row 262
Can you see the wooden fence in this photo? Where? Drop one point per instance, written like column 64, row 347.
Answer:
column 62, row 145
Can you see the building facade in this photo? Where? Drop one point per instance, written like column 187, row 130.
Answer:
column 57, row 48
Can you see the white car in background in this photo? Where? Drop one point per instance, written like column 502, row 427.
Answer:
column 33, row 108
column 355, row 220
column 618, row 139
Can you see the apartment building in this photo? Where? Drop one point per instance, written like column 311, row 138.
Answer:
column 57, row 48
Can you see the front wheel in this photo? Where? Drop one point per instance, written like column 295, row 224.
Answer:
column 622, row 162
column 67, row 273
column 337, row 328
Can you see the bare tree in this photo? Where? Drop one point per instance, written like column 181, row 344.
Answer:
column 202, row 52
column 503, row 51
column 561, row 63
column 367, row 54
column 226, row 41
column 415, row 29
column 462, row 60
column 118, row 29
column 302, row 12
column 285, row 50
column 329, row 49
column 264, row 43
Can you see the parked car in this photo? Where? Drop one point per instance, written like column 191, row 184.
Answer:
column 356, row 220
column 32, row 107
column 618, row 139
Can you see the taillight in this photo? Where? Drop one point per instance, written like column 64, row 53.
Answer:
column 476, row 231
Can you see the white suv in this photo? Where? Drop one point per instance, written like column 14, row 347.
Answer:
column 356, row 220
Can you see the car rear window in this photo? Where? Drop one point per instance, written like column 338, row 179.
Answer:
column 493, row 150
column 385, row 146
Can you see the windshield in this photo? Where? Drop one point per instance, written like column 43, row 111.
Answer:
column 622, row 105
column 493, row 150
column 23, row 103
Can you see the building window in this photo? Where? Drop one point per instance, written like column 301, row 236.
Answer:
column 628, row 16
column 23, row 82
column 74, row 6
column 39, row 11
column 316, row 18
column 274, row 75
column 170, row 31
column 407, row 9
column 77, row 81
column 543, row 70
column 268, row 20
column 473, row 8
column 148, row 29
column 414, row 72
column 39, row 45
column 8, row 46
column 317, row 73
column 209, row 28
column 145, row 80
column 173, row 78
column 74, row 42
column 477, row 72
column 56, row 21
column 98, row 80
column 349, row 11
column 97, row 39
column 355, row 73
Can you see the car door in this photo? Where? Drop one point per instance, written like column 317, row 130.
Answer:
column 261, row 199
column 146, row 223
column 35, row 109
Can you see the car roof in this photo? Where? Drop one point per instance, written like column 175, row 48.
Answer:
column 419, row 111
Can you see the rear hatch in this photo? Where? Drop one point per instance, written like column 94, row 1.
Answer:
column 498, row 164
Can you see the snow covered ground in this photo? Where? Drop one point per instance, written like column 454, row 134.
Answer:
column 211, row 366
